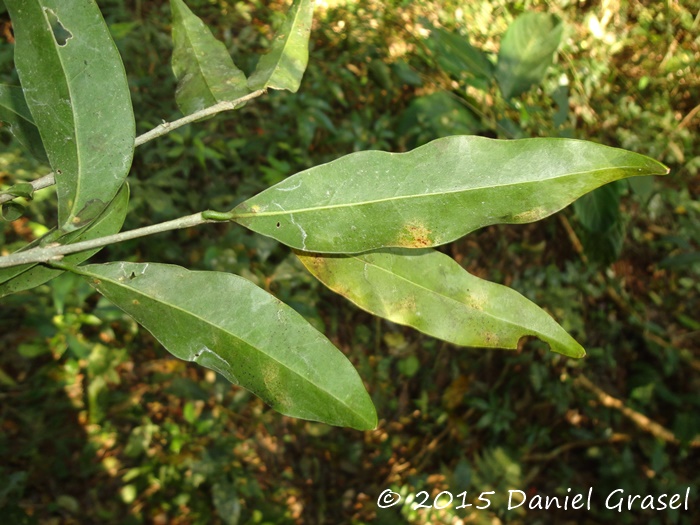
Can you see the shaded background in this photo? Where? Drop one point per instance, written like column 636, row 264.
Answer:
column 99, row 424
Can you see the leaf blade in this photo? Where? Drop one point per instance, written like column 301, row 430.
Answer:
column 284, row 65
column 433, row 194
column 205, row 71
column 226, row 323
column 76, row 88
column 429, row 291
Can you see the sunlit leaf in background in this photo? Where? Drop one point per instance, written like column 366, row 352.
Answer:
column 527, row 50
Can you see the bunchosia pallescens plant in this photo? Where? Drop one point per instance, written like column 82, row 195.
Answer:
column 365, row 225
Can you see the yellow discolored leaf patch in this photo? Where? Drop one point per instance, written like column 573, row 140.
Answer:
column 416, row 235
column 532, row 215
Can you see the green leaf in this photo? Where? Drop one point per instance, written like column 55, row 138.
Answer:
column 15, row 113
column 27, row 276
column 427, row 290
column 11, row 211
column 434, row 194
column 599, row 214
column 76, row 88
column 226, row 323
column 21, row 189
column 284, row 65
column 204, row 70
column 527, row 50
column 600, row 209
column 457, row 57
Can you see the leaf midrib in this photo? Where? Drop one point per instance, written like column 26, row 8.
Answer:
column 408, row 197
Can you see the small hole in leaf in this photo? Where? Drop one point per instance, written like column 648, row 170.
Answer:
column 278, row 224
column 60, row 33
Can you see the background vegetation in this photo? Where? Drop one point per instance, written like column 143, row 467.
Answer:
column 101, row 425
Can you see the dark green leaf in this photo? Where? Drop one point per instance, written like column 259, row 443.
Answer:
column 433, row 194
column 27, row 276
column 284, row 65
column 600, row 209
column 427, row 290
column 11, row 211
column 76, row 89
column 457, row 57
column 437, row 115
column 202, row 65
column 561, row 97
column 15, row 113
column 527, row 50
column 21, row 189
column 228, row 324
column 603, row 226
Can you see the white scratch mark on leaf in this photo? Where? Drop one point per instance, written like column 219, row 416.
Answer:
column 291, row 188
column 301, row 230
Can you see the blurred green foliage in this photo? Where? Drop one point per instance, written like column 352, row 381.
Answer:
column 100, row 424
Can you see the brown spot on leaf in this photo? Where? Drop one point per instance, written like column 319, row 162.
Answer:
column 490, row 338
column 415, row 235
column 530, row 215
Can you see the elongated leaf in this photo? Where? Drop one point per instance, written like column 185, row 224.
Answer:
column 204, row 69
column 427, row 290
column 27, row 276
column 433, row 194
column 527, row 50
column 15, row 113
column 228, row 324
column 284, row 65
column 75, row 86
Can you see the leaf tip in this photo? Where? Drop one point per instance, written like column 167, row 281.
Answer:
column 570, row 349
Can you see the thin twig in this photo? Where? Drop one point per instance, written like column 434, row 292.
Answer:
column 639, row 419
column 158, row 131
column 38, row 184
column 554, row 454
column 55, row 252
column 167, row 127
